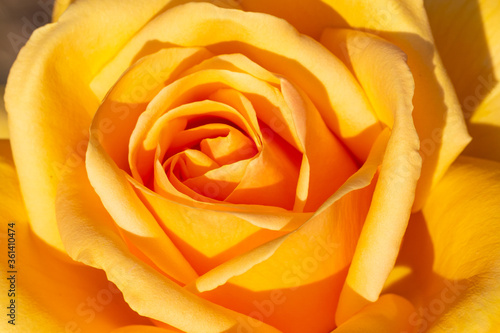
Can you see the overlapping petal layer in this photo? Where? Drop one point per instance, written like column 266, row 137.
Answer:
column 85, row 223
column 382, row 233
column 49, row 100
column 51, row 295
column 437, row 113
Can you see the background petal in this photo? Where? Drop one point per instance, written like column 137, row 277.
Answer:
column 451, row 252
column 59, row 7
column 471, row 29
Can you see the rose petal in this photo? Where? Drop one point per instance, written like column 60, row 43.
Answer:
column 438, row 117
column 144, row 329
column 458, row 27
column 49, row 100
column 326, row 163
column 52, row 293
column 303, row 60
column 383, row 230
column 84, row 223
column 452, row 252
column 306, row 266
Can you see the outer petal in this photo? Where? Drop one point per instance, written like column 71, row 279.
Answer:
column 59, row 7
column 437, row 114
column 452, row 252
column 49, row 100
column 84, row 222
column 386, row 222
column 52, row 295
column 460, row 26
column 302, row 60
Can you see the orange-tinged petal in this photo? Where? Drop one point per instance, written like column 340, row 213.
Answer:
column 155, row 131
column 135, row 221
column 326, row 163
column 389, row 314
column 438, row 117
column 222, row 180
column 83, row 223
column 303, row 60
column 117, row 115
column 272, row 282
column 386, row 223
column 459, row 27
column 270, row 178
column 229, row 148
column 51, row 293
column 49, row 100
column 144, row 329
column 236, row 62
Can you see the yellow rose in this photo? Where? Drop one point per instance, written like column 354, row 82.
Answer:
column 247, row 166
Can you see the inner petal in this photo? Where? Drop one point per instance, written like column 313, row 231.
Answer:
column 228, row 149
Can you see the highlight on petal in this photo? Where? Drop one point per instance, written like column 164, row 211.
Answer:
column 85, row 223
column 438, row 117
column 184, row 171
column 52, row 294
column 304, row 61
column 387, row 219
column 49, row 101
column 459, row 27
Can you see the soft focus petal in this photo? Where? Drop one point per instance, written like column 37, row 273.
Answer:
column 49, row 100
column 52, row 295
column 389, row 314
column 84, row 222
column 59, row 7
column 463, row 217
column 470, row 29
column 386, row 223
column 452, row 251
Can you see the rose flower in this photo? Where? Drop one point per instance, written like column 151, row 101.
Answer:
column 251, row 166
